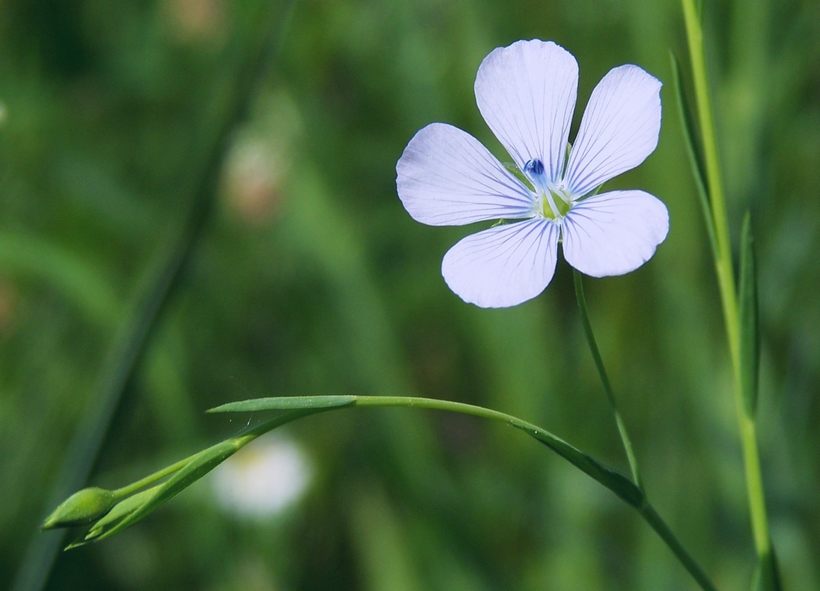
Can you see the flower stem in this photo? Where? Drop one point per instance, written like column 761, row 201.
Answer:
column 725, row 276
column 599, row 365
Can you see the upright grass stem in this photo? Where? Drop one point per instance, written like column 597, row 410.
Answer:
column 725, row 276
column 599, row 365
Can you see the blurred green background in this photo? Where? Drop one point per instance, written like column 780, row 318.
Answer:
column 311, row 278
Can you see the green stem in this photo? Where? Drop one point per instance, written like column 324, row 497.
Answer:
column 135, row 487
column 723, row 261
column 725, row 276
column 599, row 365
column 640, row 503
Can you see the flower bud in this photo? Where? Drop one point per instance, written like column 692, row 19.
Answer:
column 83, row 506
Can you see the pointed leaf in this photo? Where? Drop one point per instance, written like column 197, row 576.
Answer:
column 201, row 464
column 693, row 150
column 749, row 330
column 285, row 403
column 614, row 481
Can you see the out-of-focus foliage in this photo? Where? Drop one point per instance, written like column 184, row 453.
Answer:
column 313, row 279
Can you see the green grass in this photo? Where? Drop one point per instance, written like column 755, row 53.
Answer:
column 312, row 278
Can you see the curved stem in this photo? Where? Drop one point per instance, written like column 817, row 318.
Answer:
column 599, row 365
column 600, row 473
column 726, row 282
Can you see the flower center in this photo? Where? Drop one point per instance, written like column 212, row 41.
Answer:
column 553, row 200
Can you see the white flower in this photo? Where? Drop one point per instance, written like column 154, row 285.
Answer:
column 526, row 94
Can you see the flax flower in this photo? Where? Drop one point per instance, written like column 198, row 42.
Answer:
column 526, row 93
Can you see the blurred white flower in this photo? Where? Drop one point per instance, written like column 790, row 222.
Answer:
column 262, row 479
column 197, row 20
column 253, row 180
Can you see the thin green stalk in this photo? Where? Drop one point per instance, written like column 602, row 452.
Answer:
column 725, row 276
column 135, row 487
column 714, row 181
column 599, row 365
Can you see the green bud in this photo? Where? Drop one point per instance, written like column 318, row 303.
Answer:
column 83, row 506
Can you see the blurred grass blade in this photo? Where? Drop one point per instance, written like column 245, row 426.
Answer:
column 767, row 574
column 693, row 149
column 382, row 547
column 285, row 403
column 134, row 335
column 749, row 328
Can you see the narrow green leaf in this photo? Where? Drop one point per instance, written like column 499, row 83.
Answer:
column 200, row 464
column 693, row 150
column 285, row 403
column 749, row 330
column 382, row 544
column 614, row 481
column 120, row 511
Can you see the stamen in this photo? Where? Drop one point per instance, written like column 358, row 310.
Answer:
column 534, row 169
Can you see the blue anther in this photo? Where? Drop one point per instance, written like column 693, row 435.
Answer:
column 534, row 168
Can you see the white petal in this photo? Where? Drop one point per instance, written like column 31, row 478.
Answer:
column 614, row 233
column 503, row 266
column 619, row 129
column 446, row 177
column 526, row 94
